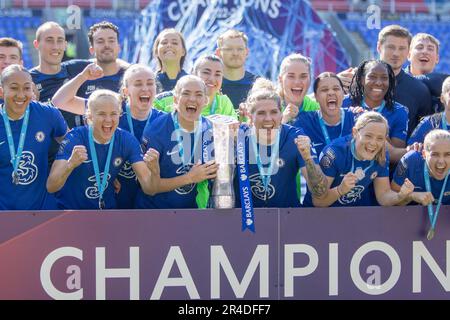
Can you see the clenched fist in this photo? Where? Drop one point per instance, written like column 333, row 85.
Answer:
column 290, row 113
column 79, row 154
column 92, row 72
column 304, row 146
column 151, row 159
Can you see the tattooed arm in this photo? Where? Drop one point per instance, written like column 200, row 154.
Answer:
column 316, row 180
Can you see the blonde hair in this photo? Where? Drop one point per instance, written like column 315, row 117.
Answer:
column 433, row 135
column 369, row 117
column 231, row 34
column 182, row 82
column 446, row 85
column 255, row 96
column 132, row 69
column 101, row 94
column 426, row 36
column 295, row 57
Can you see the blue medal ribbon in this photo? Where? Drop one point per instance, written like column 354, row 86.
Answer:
column 444, row 121
column 432, row 215
column 197, row 138
column 266, row 173
column 101, row 183
column 15, row 156
column 324, row 128
column 379, row 109
column 130, row 121
column 248, row 215
column 213, row 106
column 353, row 150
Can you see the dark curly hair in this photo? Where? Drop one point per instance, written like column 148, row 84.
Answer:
column 101, row 25
column 357, row 88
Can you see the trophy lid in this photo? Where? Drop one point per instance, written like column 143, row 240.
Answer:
column 220, row 119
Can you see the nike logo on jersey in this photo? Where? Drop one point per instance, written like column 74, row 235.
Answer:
column 316, row 144
column 87, row 161
column 169, row 153
column 2, row 142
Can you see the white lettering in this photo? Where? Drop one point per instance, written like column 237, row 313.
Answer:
column 420, row 252
column 46, row 269
column 101, row 273
column 290, row 271
column 175, row 256
column 333, row 271
column 260, row 259
column 356, row 260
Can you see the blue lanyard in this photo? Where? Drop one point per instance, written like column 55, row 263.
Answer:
column 444, row 121
column 362, row 173
column 213, row 106
column 433, row 215
column 324, row 128
column 101, row 185
column 15, row 156
column 130, row 121
column 379, row 109
column 266, row 173
column 197, row 137
column 247, row 210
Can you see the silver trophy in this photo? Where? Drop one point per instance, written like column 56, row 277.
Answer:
column 222, row 196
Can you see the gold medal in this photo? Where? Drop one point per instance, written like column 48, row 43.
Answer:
column 430, row 234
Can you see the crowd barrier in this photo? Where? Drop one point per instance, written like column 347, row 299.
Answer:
column 333, row 253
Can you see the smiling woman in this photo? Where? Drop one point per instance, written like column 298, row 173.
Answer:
column 183, row 138
column 331, row 121
column 26, row 130
column 272, row 154
column 372, row 88
column 91, row 157
column 357, row 168
column 169, row 51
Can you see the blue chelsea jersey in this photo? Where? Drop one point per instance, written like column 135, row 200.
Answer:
column 127, row 178
column 310, row 123
column 411, row 167
column 281, row 189
column 80, row 190
column 45, row 123
column 160, row 135
column 397, row 118
column 336, row 160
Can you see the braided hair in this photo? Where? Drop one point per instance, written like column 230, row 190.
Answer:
column 357, row 88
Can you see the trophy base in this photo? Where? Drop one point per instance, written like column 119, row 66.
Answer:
column 222, row 202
